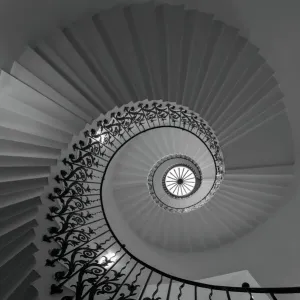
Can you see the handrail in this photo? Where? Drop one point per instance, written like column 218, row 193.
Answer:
column 81, row 228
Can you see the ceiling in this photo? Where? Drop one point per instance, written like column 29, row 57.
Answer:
column 272, row 25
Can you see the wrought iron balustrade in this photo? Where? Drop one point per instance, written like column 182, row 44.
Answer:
column 97, row 263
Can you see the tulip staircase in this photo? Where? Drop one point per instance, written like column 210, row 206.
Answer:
column 155, row 116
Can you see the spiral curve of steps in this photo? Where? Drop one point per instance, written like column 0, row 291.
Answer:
column 121, row 56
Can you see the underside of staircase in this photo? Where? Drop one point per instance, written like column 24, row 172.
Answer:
column 59, row 87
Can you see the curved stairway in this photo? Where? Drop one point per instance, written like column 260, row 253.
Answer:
column 129, row 54
column 90, row 259
column 246, row 197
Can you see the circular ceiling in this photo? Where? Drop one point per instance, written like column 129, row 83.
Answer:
column 179, row 181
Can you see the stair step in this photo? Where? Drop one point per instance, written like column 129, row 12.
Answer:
column 16, row 233
column 16, row 209
column 42, row 88
column 12, row 148
column 47, row 74
column 14, row 198
column 8, row 174
column 12, row 249
column 17, row 221
column 16, row 277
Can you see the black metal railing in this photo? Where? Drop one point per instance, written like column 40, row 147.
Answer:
column 97, row 263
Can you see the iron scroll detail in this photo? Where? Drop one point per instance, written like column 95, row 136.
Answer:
column 95, row 261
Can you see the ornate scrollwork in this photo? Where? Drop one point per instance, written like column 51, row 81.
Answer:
column 81, row 232
column 86, row 244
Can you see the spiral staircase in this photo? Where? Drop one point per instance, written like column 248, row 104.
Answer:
column 89, row 115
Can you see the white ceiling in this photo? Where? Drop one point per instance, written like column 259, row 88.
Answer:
column 272, row 25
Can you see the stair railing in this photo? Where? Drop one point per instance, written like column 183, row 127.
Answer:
column 97, row 263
